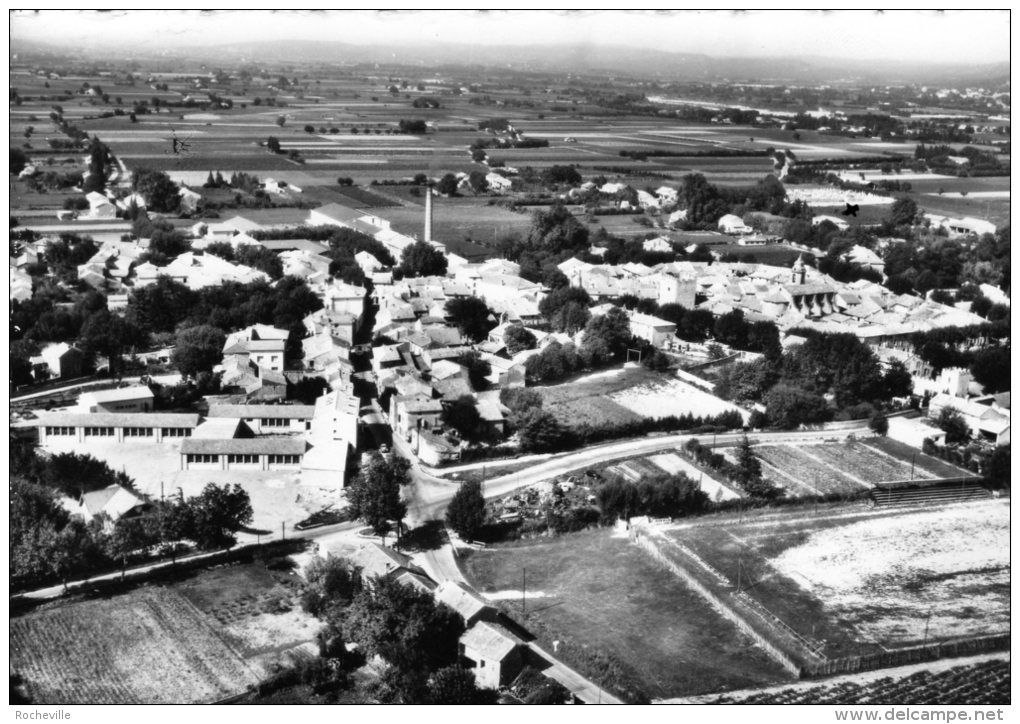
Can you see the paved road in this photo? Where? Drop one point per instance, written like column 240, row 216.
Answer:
column 430, row 494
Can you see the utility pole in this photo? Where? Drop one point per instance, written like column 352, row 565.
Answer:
column 283, row 535
column 524, row 588
column 926, row 621
column 913, row 459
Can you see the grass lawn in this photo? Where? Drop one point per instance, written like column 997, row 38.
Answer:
column 664, row 636
column 585, row 399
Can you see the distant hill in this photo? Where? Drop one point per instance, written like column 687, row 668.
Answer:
column 574, row 58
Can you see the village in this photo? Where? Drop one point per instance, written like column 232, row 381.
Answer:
column 423, row 397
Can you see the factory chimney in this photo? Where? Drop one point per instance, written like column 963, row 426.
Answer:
column 428, row 214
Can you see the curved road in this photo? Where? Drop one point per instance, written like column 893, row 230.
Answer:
column 428, row 498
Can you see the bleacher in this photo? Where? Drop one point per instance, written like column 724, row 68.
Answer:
column 944, row 491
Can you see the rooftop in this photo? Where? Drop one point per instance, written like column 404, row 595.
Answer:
column 236, row 446
column 288, row 412
column 118, row 419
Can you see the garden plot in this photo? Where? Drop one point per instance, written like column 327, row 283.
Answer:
column 149, row 646
column 662, row 398
column 800, row 474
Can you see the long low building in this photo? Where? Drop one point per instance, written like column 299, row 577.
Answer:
column 118, row 426
column 268, row 419
column 242, row 454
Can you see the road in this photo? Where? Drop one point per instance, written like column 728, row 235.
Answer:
column 430, row 494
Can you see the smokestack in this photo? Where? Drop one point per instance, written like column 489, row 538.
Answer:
column 428, row 214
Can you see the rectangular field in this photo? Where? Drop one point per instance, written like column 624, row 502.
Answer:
column 150, row 646
column 847, row 467
column 856, row 578
column 595, row 590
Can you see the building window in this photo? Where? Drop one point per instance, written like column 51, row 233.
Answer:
column 202, row 458
column 284, row 459
column 275, row 422
column 137, row 432
column 176, row 432
column 60, row 431
column 98, row 432
column 236, row 459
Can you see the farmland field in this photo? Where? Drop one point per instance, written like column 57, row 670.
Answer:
column 856, row 578
column 596, row 590
column 847, row 467
column 202, row 638
column 147, row 647
column 664, row 397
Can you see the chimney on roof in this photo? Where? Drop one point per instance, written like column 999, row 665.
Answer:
column 428, row 214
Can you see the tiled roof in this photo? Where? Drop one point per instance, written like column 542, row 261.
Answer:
column 252, row 446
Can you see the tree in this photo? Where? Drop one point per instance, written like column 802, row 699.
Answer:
column 99, row 158
column 991, row 369
column 878, row 424
column 330, row 581
column 273, row 144
column 281, row 120
column 198, row 349
column 466, row 513
column 954, row 424
column 422, row 259
column 789, row 407
column 478, row 181
column 471, row 316
column 903, row 212
column 478, row 368
column 606, row 337
column 159, row 191
column 996, row 469
column 897, row 380
column 217, row 514
column 160, row 307
column 462, row 415
column 405, row 626
column 540, row 431
column 457, row 685
column 19, row 159
column 130, row 535
column 109, row 335
column 447, row 185
column 374, row 496
column 748, row 466
column 518, row 338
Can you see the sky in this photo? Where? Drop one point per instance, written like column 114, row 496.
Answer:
column 924, row 36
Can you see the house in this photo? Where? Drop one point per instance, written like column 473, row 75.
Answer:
column 491, row 413
column 368, row 263
column 58, row 360
column 377, row 561
column 341, row 297
column 660, row 243
column 471, row 607
column 839, row 223
column 504, row 373
column 114, row 426
column 259, row 344
column 267, row 419
column 189, row 200
column 966, row 226
column 657, row 331
column 413, row 412
column 255, row 454
column 914, row 431
column 20, row 285
column 433, row 449
column 494, row 653
column 733, row 224
column 986, row 421
column 333, row 215
column 497, row 183
column 113, row 501
column 865, row 257
column 137, row 398
column 100, row 207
